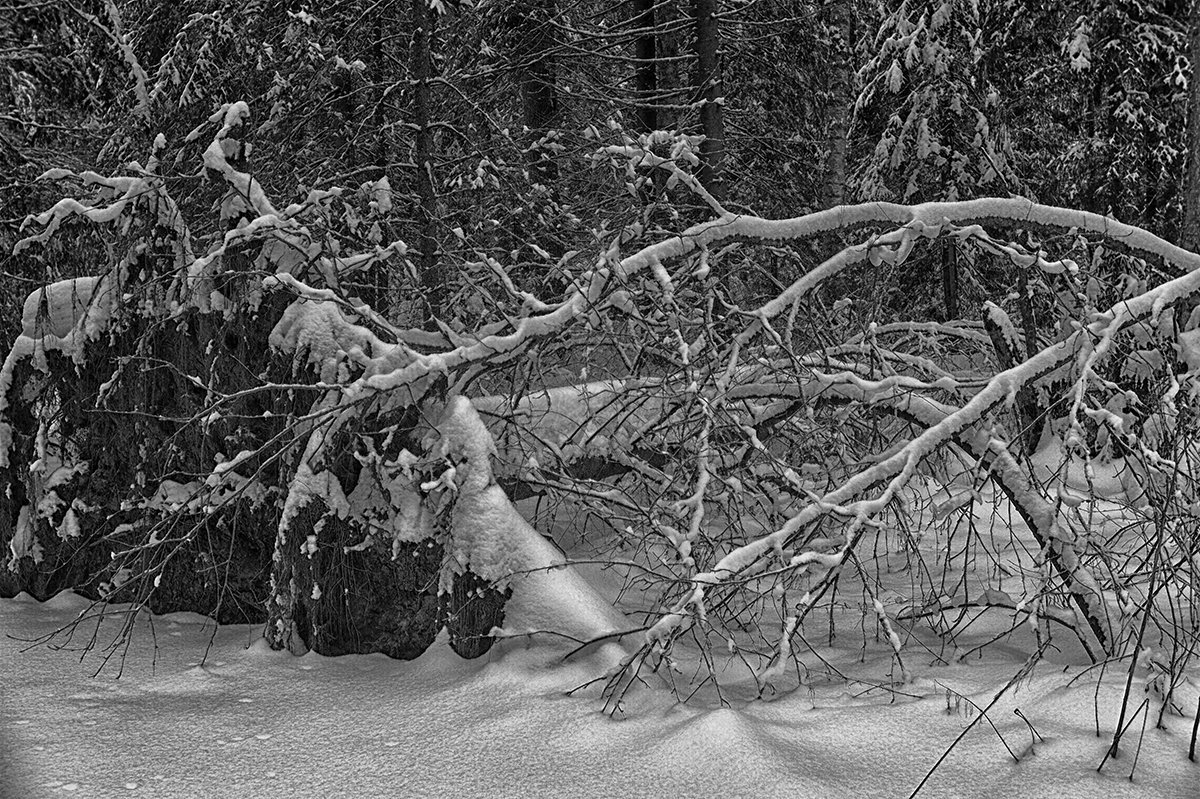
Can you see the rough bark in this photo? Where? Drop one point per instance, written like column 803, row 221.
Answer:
column 950, row 280
column 711, row 96
column 434, row 280
column 337, row 586
column 1189, row 237
column 539, row 100
column 834, row 183
column 645, row 76
column 470, row 610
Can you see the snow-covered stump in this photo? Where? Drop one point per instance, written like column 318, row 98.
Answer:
column 452, row 533
column 332, row 594
column 338, row 584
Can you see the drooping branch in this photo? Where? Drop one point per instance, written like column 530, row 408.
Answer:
column 895, row 471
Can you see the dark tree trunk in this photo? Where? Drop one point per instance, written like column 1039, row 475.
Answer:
column 375, row 290
column 1030, row 418
column 434, row 281
column 1028, row 321
column 709, row 87
column 950, row 279
column 537, row 94
column 379, row 112
column 531, row 24
column 834, row 183
column 1190, row 235
column 537, row 74
column 645, row 76
column 673, row 44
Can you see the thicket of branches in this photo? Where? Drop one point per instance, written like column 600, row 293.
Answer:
column 757, row 425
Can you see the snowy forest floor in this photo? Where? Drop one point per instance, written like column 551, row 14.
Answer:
column 243, row 721
column 190, row 709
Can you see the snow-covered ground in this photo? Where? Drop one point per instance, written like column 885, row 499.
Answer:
column 190, row 710
column 243, row 721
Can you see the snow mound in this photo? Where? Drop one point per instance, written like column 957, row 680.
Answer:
column 491, row 538
column 65, row 302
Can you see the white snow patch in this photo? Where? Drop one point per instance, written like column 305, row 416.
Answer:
column 500, row 726
column 498, row 544
column 23, row 542
column 491, row 538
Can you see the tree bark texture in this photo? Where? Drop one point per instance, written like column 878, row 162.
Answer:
column 1189, row 237
column 834, row 183
column 645, row 76
column 711, row 96
column 434, row 282
column 950, row 279
column 539, row 100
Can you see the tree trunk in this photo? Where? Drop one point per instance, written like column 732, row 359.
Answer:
column 1189, row 237
column 346, row 108
column 645, row 76
column 537, row 76
column 379, row 112
column 711, row 95
column 1030, row 418
column 842, row 85
column 950, row 279
column 375, row 290
column 433, row 281
column 673, row 40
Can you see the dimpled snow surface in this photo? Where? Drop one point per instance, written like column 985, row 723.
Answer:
column 205, row 712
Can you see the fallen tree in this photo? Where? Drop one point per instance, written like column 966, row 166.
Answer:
column 750, row 444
